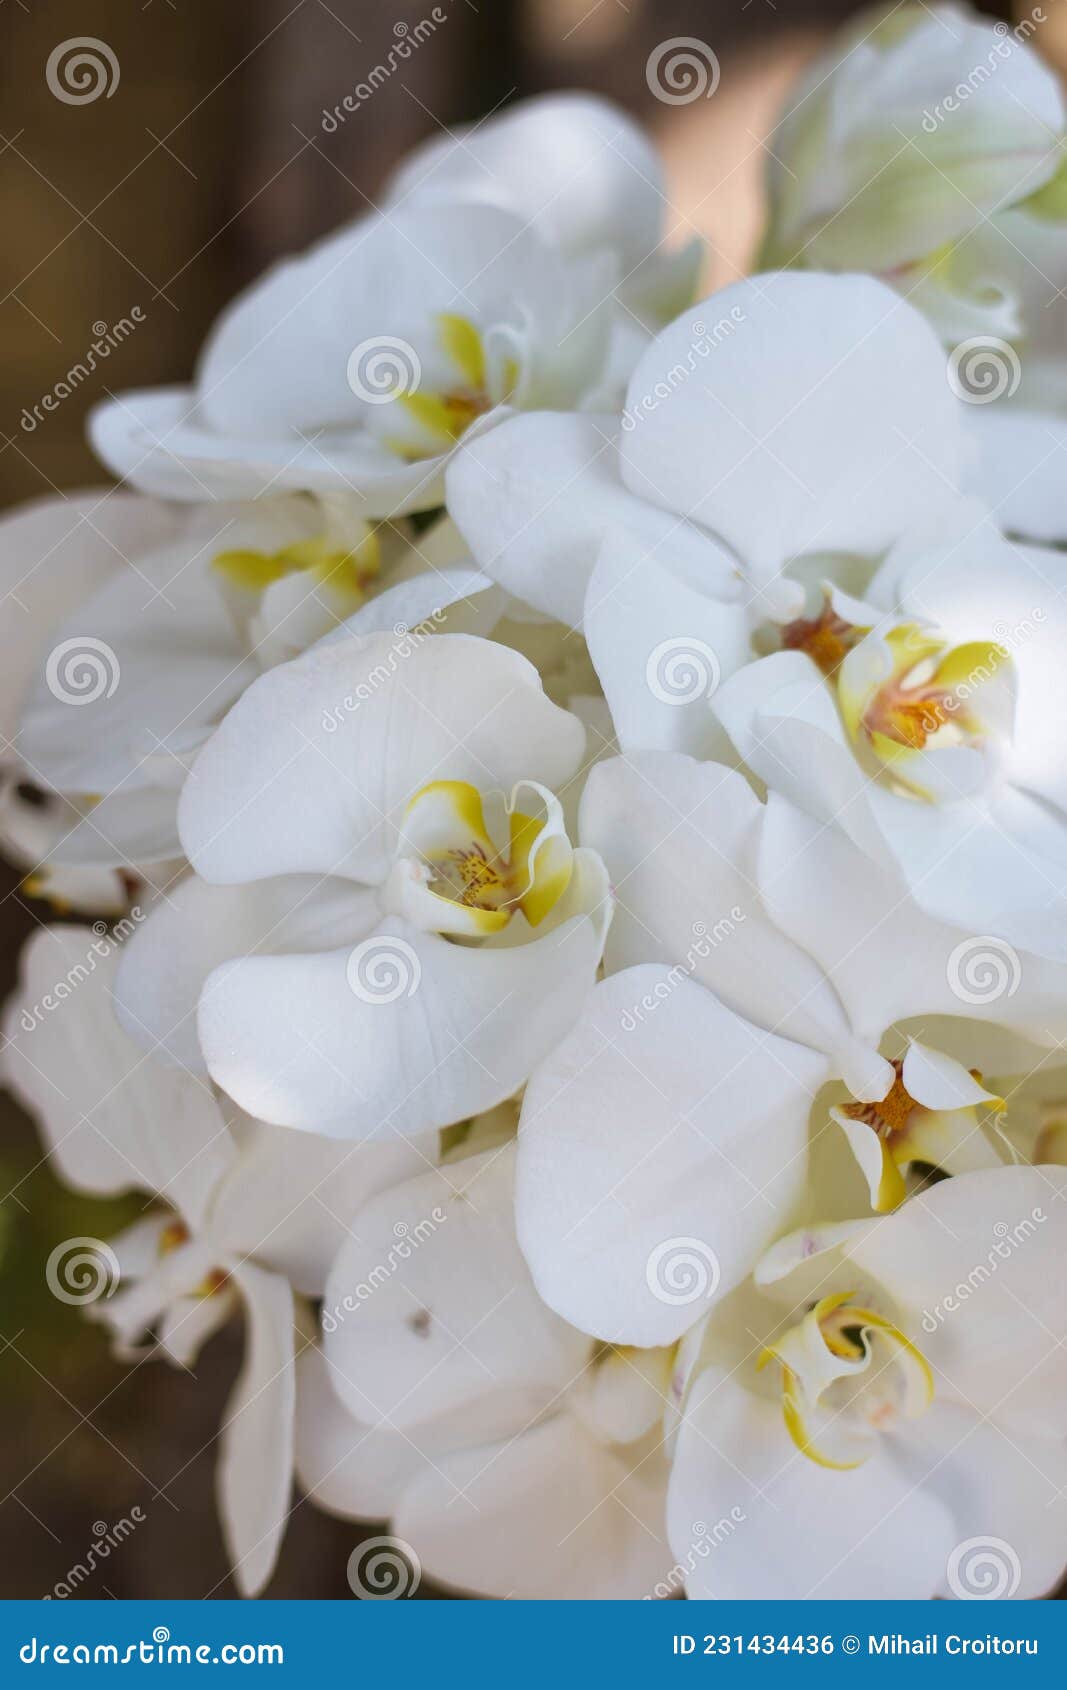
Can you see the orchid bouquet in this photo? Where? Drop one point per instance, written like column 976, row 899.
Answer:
column 565, row 792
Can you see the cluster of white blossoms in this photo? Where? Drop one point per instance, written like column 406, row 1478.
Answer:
column 581, row 779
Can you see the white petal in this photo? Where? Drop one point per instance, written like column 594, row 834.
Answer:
column 661, row 647
column 155, row 439
column 659, row 1147
column 1007, row 1502
column 888, row 959
column 574, row 167
column 198, row 926
column 819, row 418
column 1019, row 468
column 347, row 1466
column 289, row 1198
column 404, row 1033
column 430, row 1308
column 550, row 1514
column 113, row 1119
column 256, row 1441
column 55, row 553
column 680, row 842
column 936, row 1080
column 973, row 1261
column 163, row 661
column 426, row 598
column 535, row 498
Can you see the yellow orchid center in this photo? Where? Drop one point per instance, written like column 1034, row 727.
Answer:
column 890, row 1115
column 907, row 1132
column 468, row 877
column 441, row 418
column 826, row 639
column 848, row 1374
column 174, row 1235
column 344, row 572
column 907, row 694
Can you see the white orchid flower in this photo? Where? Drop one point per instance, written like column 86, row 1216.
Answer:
column 893, row 1392
column 588, row 181
column 755, row 956
column 356, row 367
column 389, row 925
column 901, row 141
column 926, row 146
column 513, row 1456
column 925, row 723
column 254, row 1214
column 786, row 415
column 159, row 622
column 54, row 553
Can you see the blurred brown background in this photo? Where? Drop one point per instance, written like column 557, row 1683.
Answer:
column 206, row 161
